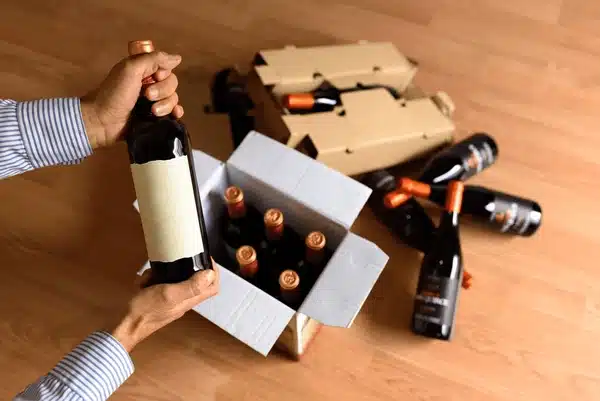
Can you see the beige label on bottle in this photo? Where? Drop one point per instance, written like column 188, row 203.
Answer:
column 167, row 209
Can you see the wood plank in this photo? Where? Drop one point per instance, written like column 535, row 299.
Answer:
column 527, row 73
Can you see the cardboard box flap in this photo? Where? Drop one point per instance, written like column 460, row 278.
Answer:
column 344, row 285
column 332, row 194
column 332, row 133
column 417, row 117
column 293, row 64
column 268, row 75
column 245, row 312
column 205, row 166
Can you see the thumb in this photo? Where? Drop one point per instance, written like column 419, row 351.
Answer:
column 193, row 287
column 144, row 65
column 200, row 286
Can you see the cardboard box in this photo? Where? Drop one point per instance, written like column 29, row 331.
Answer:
column 371, row 129
column 312, row 197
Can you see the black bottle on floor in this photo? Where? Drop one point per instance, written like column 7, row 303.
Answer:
column 501, row 211
column 409, row 221
column 462, row 160
column 441, row 275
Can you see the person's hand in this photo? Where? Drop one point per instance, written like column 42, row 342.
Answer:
column 156, row 306
column 106, row 109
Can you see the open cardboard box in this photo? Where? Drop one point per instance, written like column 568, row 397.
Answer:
column 371, row 129
column 312, row 196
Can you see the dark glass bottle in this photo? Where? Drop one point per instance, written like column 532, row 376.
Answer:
column 248, row 267
column 506, row 213
column 316, row 257
column 242, row 224
column 165, row 184
column 461, row 160
column 325, row 98
column 280, row 249
column 289, row 288
column 408, row 221
column 441, row 274
column 283, row 245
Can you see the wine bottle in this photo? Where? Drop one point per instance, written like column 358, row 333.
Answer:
column 242, row 224
column 315, row 258
column 325, row 98
column 506, row 213
column 289, row 287
column 283, row 246
column 409, row 221
column 165, row 184
column 248, row 263
column 441, row 274
column 461, row 160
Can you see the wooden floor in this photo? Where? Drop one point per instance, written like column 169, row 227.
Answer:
column 528, row 72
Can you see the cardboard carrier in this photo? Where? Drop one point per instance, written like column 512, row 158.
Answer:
column 371, row 129
column 312, row 196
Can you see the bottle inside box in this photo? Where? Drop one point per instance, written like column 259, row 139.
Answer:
column 285, row 266
column 322, row 94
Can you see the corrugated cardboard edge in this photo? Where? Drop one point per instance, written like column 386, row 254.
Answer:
column 342, row 64
column 343, row 287
column 247, row 313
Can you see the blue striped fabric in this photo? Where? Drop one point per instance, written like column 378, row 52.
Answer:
column 91, row 372
column 41, row 133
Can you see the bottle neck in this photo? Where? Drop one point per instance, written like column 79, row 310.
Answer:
column 143, row 106
column 314, row 257
column 449, row 219
column 442, row 170
column 249, row 270
column 274, row 233
column 236, row 210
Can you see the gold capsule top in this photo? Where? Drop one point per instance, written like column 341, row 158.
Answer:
column 140, row 47
column 245, row 255
column 234, row 194
column 289, row 280
column 273, row 217
column 315, row 241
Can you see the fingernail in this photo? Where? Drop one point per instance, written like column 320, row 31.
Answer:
column 152, row 93
column 176, row 57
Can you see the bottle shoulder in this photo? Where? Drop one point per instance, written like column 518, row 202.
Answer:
column 160, row 139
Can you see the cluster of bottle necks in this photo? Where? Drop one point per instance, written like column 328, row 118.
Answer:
column 267, row 252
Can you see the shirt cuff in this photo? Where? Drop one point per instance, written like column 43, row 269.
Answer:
column 95, row 368
column 53, row 131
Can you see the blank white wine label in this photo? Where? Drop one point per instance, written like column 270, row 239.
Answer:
column 167, row 209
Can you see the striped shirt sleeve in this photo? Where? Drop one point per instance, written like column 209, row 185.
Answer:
column 92, row 371
column 41, row 133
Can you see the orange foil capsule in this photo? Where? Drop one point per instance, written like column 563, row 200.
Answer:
column 416, row 188
column 394, row 199
column 136, row 47
column 454, row 198
column 246, row 258
column 299, row 101
column 467, row 280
